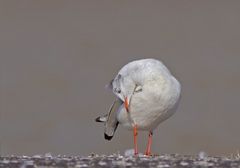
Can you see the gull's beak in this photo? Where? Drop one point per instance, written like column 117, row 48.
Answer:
column 126, row 104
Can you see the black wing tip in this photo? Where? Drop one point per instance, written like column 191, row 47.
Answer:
column 98, row 119
column 107, row 137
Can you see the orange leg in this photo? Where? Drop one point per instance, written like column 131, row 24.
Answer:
column 135, row 133
column 148, row 150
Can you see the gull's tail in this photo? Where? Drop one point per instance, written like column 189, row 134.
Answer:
column 110, row 120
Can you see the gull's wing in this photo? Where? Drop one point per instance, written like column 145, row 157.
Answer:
column 110, row 119
column 112, row 123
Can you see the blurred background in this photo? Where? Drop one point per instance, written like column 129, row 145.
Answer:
column 57, row 56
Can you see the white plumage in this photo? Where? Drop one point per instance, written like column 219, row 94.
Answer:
column 147, row 94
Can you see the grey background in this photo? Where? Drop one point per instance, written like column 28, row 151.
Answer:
column 57, row 56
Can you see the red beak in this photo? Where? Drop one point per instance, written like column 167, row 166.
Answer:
column 126, row 104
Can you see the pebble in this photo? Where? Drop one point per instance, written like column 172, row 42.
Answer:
column 202, row 155
column 129, row 152
column 102, row 163
column 183, row 163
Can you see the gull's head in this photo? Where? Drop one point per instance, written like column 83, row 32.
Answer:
column 123, row 89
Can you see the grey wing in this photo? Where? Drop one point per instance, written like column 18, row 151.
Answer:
column 112, row 122
column 110, row 119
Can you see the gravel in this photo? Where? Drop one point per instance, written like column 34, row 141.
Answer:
column 117, row 160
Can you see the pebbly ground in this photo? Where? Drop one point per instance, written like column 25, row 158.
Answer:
column 117, row 160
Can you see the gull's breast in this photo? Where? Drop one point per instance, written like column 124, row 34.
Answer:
column 154, row 104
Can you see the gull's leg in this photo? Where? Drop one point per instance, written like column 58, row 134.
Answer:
column 148, row 150
column 135, row 133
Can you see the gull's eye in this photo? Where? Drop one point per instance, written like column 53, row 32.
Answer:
column 117, row 90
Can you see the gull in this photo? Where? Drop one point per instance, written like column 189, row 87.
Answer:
column 146, row 95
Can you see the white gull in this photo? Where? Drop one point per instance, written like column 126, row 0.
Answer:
column 147, row 94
